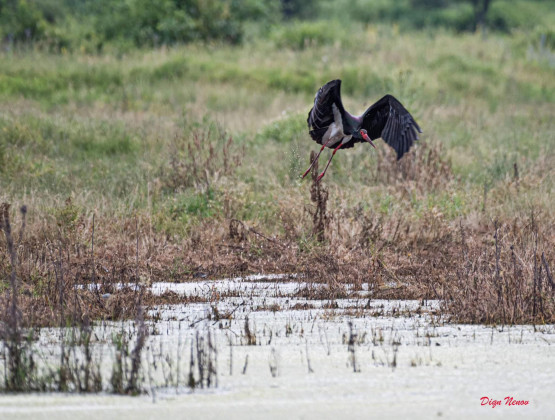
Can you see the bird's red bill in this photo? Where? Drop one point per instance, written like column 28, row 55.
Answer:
column 365, row 137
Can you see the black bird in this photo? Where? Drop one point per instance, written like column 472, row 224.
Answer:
column 331, row 126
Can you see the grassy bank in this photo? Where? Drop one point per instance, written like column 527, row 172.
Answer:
column 185, row 161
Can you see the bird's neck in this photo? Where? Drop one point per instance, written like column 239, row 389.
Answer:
column 352, row 122
column 357, row 119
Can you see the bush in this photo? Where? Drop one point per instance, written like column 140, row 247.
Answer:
column 285, row 130
column 302, row 34
column 296, row 9
column 90, row 24
column 21, row 21
column 460, row 15
column 506, row 16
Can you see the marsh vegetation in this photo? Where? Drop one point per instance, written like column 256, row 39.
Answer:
column 127, row 167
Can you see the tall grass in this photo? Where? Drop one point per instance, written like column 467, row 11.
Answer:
column 113, row 136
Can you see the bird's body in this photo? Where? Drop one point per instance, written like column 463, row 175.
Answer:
column 335, row 132
column 333, row 127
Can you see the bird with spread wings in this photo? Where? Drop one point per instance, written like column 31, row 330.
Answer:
column 333, row 127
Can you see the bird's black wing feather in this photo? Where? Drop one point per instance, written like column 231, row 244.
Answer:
column 321, row 115
column 389, row 120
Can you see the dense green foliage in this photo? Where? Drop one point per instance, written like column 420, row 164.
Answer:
column 92, row 25
column 460, row 15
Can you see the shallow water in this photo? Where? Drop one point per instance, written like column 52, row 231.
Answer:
column 402, row 362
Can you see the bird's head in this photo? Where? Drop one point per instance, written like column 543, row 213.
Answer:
column 365, row 136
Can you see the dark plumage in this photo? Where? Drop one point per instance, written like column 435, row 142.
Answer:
column 331, row 126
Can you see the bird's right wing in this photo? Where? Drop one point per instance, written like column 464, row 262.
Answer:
column 389, row 120
column 322, row 114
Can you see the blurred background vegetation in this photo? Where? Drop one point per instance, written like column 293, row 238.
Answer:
column 91, row 25
column 106, row 102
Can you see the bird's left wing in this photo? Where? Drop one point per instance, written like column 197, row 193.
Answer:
column 389, row 120
column 323, row 113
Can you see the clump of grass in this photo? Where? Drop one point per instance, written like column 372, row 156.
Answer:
column 78, row 369
column 200, row 157
column 351, row 348
column 425, row 168
column 250, row 336
column 204, row 356
column 126, row 369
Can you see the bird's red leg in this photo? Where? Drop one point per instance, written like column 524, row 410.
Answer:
column 314, row 161
column 329, row 161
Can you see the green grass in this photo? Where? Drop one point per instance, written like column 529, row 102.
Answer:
column 99, row 128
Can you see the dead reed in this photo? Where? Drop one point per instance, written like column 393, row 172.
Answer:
column 319, row 196
column 506, row 279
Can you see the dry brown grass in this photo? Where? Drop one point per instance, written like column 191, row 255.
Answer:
column 484, row 272
column 484, row 269
column 506, row 278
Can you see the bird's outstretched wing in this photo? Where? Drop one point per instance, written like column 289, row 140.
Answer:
column 321, row 116
column 389, row 120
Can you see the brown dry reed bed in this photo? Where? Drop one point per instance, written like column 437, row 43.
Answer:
column 482, row 270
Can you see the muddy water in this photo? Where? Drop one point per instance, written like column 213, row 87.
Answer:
column 354, row 357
